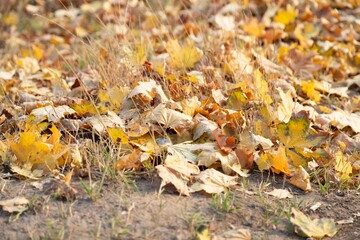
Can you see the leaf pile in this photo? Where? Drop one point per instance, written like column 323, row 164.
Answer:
column 197, row 90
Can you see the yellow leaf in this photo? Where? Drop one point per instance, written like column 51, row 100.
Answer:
column 343, row 166
column 254, row 28
column 263, row 122
column 137, row 55
column 317, row 228
column 85, row 108
column 38, row 52
column 297, row 132
column 146, row 143
column 262, row 87
column 296, row 158
column 11, row 18
column 286, row 16
column 114, row 96
column 308, row 87
column 279, row 162
column 264, row 162
column 39, row 152
column 183, row 57
column 203, row 234
column 117, row 134
column 237, row 100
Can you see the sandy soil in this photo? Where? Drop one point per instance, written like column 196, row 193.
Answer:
column 136, row 210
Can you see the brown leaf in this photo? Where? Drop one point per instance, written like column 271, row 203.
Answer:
column 246, row 158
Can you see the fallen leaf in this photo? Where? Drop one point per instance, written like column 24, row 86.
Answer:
column 346, row 221
column 254, row 27
column 246, row 158
column 315, row 206
column 183, row 57
column 34, row 153
column 341, row 119
column 301, row 179
column 171, row 118
column 235, row 234
column 342, row 166
column 280, row 193
column 277, row 161
column 17, row 205
column 181, row 165
column 202, row 233
column 203, row 125
column 229, row 162
column 129, row 162
column 317, row 228
column 143, row 94
column 308, row 87
column 297, row 132
column 225, row 143
column 286, row 16
column 52, row 113
column 213, row 181
column 169, row 176
column 286, row 106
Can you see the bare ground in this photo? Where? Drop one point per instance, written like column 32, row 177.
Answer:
column 136, row 210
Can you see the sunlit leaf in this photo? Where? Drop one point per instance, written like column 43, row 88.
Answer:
column 309, row 88
column 183, row 57
column 342, row 166
column 262, row 87
column 286, row 16
column 297, row 132
column 301, row 179
column 213, row 181
column 280, row 193
column 254, row 28
column 286, row 106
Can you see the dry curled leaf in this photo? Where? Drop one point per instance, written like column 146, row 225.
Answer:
column 17, row 205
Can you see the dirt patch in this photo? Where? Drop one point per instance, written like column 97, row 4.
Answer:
column 136, row 210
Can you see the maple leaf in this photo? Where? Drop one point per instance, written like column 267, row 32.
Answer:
column 262, row 87
column 343, row 166
column 286, row 16
column 35, row 152
column 177, row 171
column 301, row 179
column 308, row 87
column 317, row 228
column 254, row 28
column 277, row 161
column 297, row 132
column 129, row 162
column 171, row 118
column 301, row 63
column 183, row 57
column 213, row 181
column 286, row 106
